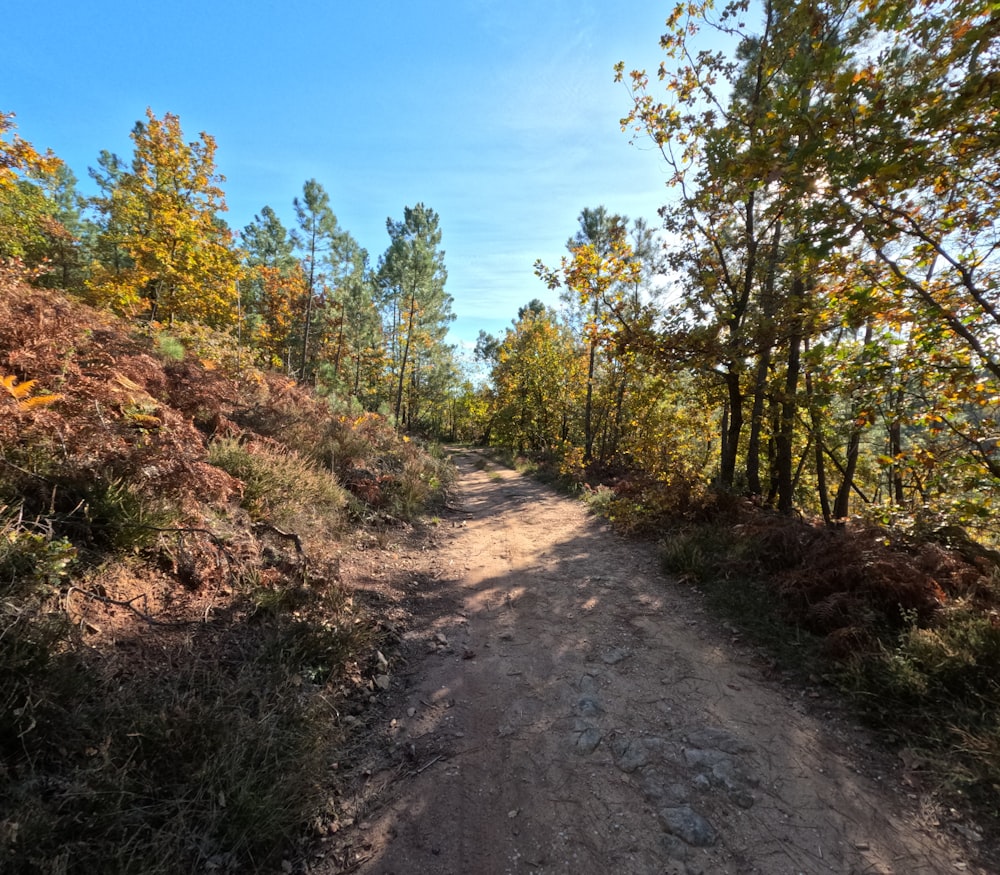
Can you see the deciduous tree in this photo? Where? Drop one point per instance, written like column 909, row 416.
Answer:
column 163, row 214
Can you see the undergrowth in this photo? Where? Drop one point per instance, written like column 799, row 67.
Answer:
column 175, row 640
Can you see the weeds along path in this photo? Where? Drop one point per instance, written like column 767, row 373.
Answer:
column 570, row 711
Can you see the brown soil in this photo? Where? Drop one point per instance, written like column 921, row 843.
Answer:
column 556, row 705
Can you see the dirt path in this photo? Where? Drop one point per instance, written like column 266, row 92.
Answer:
column 575, row 714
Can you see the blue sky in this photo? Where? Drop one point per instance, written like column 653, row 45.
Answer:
column 502, row 115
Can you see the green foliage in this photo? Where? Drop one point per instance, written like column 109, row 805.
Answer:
column 169, row 347
column 177, row 258
column 115, row 515
column 32, row 630
column 417, row 308
column 833, row 214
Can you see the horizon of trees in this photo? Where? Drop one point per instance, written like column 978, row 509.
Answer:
column 152, row 245
column 831, row 337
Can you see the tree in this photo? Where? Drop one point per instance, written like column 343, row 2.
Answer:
column 30, row 225
column 536, row 377
column 18, row 157
column 325, row 247
column 836, row 179
column 163, row 214
column 601, row 277
column 274, row 287
column 412, row 277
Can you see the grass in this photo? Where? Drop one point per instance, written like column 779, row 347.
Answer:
column 279, row 485
column 204, row 751
column 211, row 762
column 936, row 688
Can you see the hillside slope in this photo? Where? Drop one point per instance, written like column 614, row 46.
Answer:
column 175, row 641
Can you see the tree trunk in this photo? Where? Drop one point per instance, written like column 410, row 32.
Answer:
column 405, row 356
column 789, row 406
column 731, row 439
column 588, row 434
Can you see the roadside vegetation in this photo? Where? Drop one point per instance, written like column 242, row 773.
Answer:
column 176, row 644
column 792, row 382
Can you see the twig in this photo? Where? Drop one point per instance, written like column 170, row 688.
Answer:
column 26, row 472
column 428, row 764
column 357, row 864
column 128, row 604
column 289, row 536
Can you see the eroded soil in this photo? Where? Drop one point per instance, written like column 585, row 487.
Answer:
column 556, row 705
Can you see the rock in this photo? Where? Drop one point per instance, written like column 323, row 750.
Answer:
column 729, row 775
column 717, row 739
column 441, row 638
column 615, row 655
column 630, row 754
column 588, row 706
column 383, row 663
column 701, row 782
column 657, row 791
column 704, row 759
column 382, row 682
column 689, row 826
column 588, row 739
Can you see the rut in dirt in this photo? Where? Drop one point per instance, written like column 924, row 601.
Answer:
column 574, row 712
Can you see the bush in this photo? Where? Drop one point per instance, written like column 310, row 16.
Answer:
column 33, row 631
column 279, row 485
column 937, row 688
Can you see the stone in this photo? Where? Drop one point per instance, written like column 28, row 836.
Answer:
column 688, row 825
column 588, row 739
column 630, row 755
column 615, row 655
column 717, row 739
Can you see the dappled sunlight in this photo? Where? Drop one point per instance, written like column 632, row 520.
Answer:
column 585, row 716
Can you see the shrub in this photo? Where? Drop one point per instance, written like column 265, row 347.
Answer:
column 279, row 485
column 32, row 629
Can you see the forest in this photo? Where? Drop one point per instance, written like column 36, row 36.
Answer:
column 792, row 380
column 814, row 324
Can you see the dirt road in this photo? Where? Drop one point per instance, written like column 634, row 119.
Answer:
column 566, row 709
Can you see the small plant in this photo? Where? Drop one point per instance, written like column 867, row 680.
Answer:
column 32, row 629
column 279, row 485
column 684, row 554
column 169, row 347
column 600, row 500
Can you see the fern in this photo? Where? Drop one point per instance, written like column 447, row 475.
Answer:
column 17, row 391
column 39, row 401
column 20, row 392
